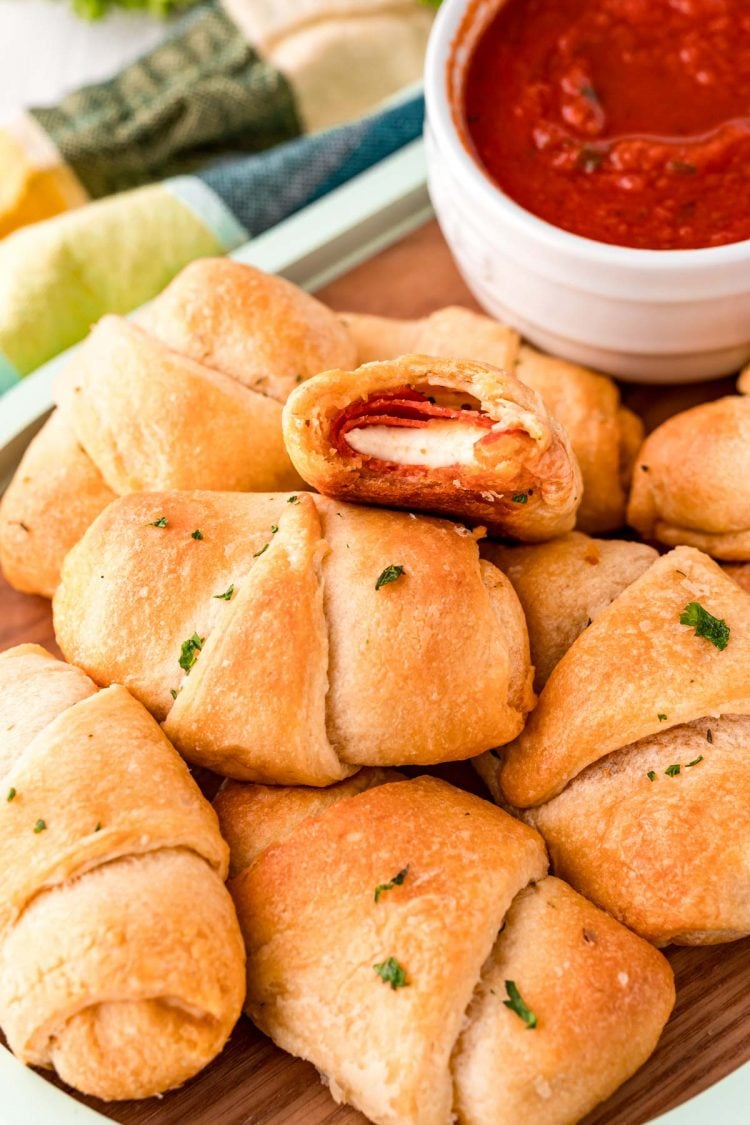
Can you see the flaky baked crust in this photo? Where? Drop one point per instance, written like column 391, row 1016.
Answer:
column 121, row 963
column 444, row 1043
column 529, row 490
column 634, row 765
column 604, row 435
column 306, row 669
column 690, row 480
column 563, row 585
column 189, row 396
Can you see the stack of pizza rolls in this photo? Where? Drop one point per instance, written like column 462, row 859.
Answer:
column 634, row 765
column 121, row 961
column 187, row 396
column 405, row 938
column 289, row 639
column 603, row 434
column 463, row 439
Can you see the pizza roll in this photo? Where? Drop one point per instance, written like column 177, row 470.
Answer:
column 290, row 640
column 403, row 936
column 635, row 765
column 188, row 396
column 121, row 962
column 447, row 436
column 604, row 435
column 564, row 584
column 689, row 480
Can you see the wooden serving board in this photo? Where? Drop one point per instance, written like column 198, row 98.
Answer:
column 254, row 1082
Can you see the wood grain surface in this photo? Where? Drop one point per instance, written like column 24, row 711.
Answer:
column 253, row 1083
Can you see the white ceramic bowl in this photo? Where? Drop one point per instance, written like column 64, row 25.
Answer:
column 662, row 316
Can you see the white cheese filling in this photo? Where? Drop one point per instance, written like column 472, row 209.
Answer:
column 437, row 445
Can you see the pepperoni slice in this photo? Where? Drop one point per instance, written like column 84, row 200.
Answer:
column 402, row 407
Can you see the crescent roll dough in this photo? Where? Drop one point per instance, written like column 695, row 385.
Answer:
column 121, row 962
column 635, row 765
column 604, row 435
column 190, row 396
column 689, row 482
column 564, row 584
column 387, row 922
column 448, row 436
column 297, row 639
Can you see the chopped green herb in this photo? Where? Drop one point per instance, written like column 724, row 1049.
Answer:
column 260, row 552
column 516, row 1004
column 390, row 972
column 173, row 692
column 396, row 881
column 189, row 652
column 40, row 826
column 227, row 595
column 672, row 771
column 694, row 761
column 661, row 717
column 11, row 794
column 651, row 775
column 714, row 629
column 709, row 735
column 98, row 826
column 390, row 574
column 274, row 528
column 293, row 500
column 520, row 498
column 161, row 522
column 197, row 534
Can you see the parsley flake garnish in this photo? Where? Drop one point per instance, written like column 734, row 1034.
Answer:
column 520, row 498
column 661, row 717
column 173, row 692
column 98, row 826
column 714, row 629
column 390, row 972
column 672, row 771
column 161, row 522
column 11, row 794
column 260, row 552
column 709, row 735
column 390, row 574
column 189, row 652
column 40, row 826
column 651, row 775
column 396, row 881
column 516, row 1004
column 274, row 528
column 293, row 500
column 227, row 595
column 197, row 534
column 694, row 761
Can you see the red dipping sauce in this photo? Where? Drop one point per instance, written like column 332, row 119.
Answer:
column 625, row 121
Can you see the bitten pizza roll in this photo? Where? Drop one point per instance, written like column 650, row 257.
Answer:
column 563, row 585
column 290, row 640
column 403, row 936
column 188, row 396
column 121, row 961
column 447, row 436
column 691, row 482
column 603, row 434
column 635, row 765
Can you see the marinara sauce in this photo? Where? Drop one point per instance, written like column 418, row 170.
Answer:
column 625, row 121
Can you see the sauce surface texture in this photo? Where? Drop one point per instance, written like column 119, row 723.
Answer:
column 625, row 121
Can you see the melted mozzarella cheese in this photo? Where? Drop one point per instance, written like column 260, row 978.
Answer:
column 437, row 445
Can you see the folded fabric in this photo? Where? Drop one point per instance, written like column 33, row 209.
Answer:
column 59, row 276
column 233, row 79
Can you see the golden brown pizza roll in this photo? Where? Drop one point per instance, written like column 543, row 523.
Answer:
column 189, row 396
column 121, row 961
column 604, row 435
column 740, row 572
column 564, row 584
column 447, row 436
column 290, row 639
column 404, row 938
column 690, row 480
column 635, row 765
